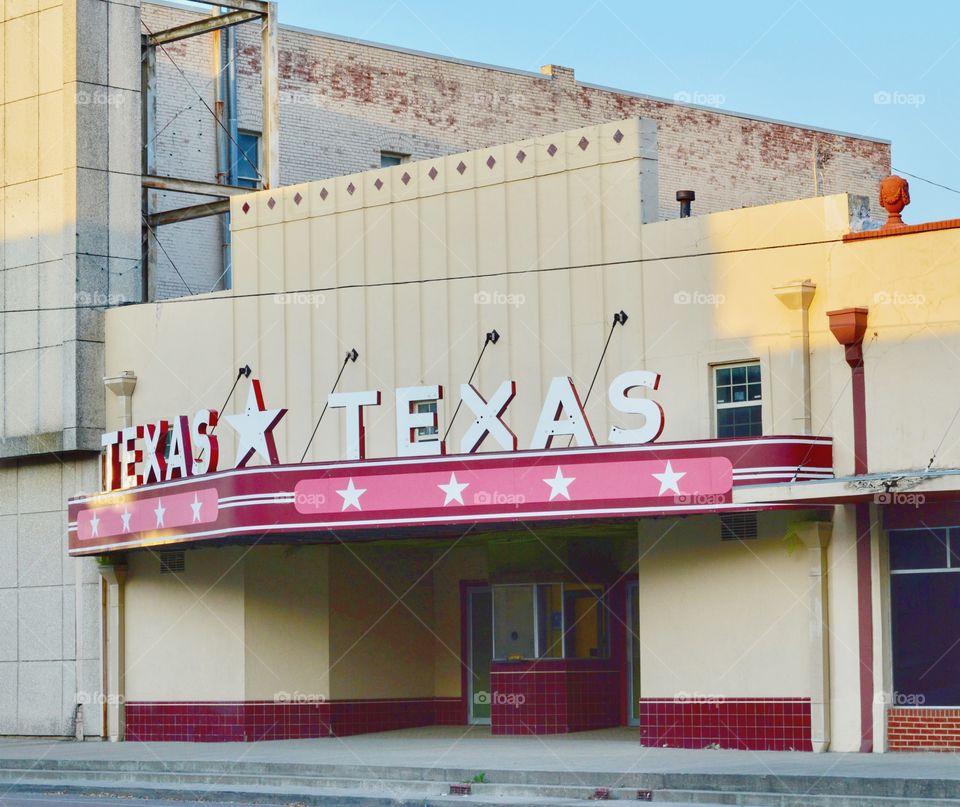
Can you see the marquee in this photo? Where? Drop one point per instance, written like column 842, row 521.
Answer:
column 382, row 497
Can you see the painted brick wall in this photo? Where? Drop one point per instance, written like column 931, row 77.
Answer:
column 923, row 729
column 343, row 102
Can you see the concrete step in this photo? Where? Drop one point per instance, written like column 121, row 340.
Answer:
column 322, row 797
column 293, row 785
column 711, row 798
column 397, row 785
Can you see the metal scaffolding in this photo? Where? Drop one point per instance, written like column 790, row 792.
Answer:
column 225, row 15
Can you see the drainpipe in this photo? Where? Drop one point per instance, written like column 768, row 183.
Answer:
column 797, row 296
column 849, row 325
column 225, row 106
column 815, row 536
column 113, row 575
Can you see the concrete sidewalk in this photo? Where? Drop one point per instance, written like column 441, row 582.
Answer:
column 473, row 747
column 416, row 766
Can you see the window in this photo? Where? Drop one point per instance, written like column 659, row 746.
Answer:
column 585, row 621
column 549, row 620
column 738, row 400
column 426, row 434
column 925, row 616
column 390, row 158
column 248, row 160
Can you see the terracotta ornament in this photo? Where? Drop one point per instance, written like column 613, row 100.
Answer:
column 894, row 196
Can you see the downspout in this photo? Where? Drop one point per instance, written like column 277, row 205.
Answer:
column 233, row 152
column 225, row 106
column 849, row 325
column 113, row 573
column 797, row 296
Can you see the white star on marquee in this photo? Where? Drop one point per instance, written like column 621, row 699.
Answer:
column 351, row 496
column 159, row 511
column 195, row 505
column 559, row 485
column 125, row 518
column 255, row 428
column 669, row 480
column 453, row 490
column 94, row 524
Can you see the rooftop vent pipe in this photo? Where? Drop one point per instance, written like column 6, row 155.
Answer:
column 685, row 198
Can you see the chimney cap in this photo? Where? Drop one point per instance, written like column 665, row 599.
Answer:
column 686, row 196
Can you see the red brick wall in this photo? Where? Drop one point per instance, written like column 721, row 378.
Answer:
column 553, row 696
column 747, row 724
column 252, row 721
column 343, row 102
column 911, row 729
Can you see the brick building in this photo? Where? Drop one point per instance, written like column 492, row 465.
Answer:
column 346, row 102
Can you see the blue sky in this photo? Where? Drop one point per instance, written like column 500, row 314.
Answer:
column 810, row 61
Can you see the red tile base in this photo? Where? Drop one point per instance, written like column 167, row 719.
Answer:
column 553, row 697
column 250, row 721
column 750, row 724
column 912, row 729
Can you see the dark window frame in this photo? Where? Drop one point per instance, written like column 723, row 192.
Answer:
column 736, row 394
column 248, row 170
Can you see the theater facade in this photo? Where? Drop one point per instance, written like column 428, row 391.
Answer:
column 495, row 452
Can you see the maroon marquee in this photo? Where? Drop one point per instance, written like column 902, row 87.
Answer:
column 317, row 500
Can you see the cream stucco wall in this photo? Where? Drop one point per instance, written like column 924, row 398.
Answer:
column 723, row 619
column 381, row 639
column 452, row 566
column 286, row 622
column 414, row 275
column 185, row 637
column 259, row 624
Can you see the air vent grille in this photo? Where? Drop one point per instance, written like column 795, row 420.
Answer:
column 738, row 526
column 172, row 561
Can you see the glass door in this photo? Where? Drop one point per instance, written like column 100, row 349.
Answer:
column 480, row 645
column 633, row 653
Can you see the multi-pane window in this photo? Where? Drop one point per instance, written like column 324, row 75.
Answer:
column 738, row 400
column 248, row 160
column 925, row 616
column 426, row 434
column 549, row 620
column 391, row 158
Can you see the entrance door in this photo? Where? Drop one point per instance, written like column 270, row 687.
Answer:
column 633, row 653
column 480, row 647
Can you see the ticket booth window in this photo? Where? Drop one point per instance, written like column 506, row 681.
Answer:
column 549, row 620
